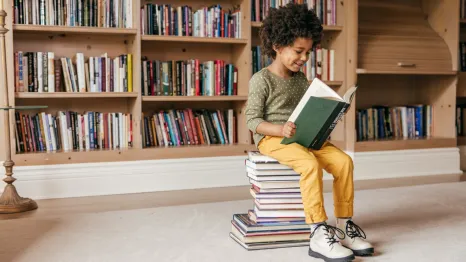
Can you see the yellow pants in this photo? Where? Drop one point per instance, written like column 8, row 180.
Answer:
column 309, row 163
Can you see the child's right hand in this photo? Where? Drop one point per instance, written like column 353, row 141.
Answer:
column 288, row 129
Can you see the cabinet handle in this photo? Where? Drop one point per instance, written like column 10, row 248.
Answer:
column 401, row 64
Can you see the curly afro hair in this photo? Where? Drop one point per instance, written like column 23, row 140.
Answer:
column 284, row 25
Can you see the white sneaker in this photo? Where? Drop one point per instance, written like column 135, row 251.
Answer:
column 354, row 239
column 324, row 245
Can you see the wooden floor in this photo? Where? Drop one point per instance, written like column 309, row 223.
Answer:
column 421, row 223
column 70, row 206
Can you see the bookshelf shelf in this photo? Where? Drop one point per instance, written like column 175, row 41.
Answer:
column 404, row 144
column 332, row 83
column 256, row 24
column 33, row 95
column 194, row 39
column 130, row 154
column 72, row 30
column 326, row 27
column 192, row 98
column 362, row 71
column 461, row 140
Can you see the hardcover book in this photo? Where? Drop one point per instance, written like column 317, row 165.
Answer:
column 317, row 114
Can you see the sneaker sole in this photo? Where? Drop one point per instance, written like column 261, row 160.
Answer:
column 364, row 252
column 327, row 259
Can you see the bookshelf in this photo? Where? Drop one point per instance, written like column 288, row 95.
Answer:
column 368, row 48
column 336, row 33
column 93, row 41
column 406, row 73
column 461, row 91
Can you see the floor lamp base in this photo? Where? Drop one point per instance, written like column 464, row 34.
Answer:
column 11, row 202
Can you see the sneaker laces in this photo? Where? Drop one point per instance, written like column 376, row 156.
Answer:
column 354, row 230
column 331, row 232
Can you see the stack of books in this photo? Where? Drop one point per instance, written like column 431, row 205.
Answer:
column 277, row 218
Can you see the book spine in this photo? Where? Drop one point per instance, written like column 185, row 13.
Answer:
column 327, row 129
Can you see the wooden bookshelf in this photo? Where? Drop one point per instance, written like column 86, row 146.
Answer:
column 192, row 98
column 72, row 30
column 404, row 144
column 326, row 27
column 33, row 95
column 155, row 153
column 363, row 33
column 405, row 66
column 461, row 141
column 333, row 83
column 193, row 39
column 362, row 71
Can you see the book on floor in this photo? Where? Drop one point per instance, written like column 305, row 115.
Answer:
column 317, row 114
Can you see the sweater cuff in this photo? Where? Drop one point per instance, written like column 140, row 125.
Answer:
column 254, row 123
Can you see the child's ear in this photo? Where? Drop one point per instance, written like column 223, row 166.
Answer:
column 276, row 49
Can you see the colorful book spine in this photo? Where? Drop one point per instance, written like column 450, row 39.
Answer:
column 178, row 127
column 43, row 72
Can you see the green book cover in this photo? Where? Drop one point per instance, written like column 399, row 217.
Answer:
column 317, row 114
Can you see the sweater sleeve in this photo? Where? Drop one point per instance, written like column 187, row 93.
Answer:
column 256, row 102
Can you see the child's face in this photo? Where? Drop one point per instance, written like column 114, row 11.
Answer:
column 295, row 56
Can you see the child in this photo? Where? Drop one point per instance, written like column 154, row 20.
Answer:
column 288, row 35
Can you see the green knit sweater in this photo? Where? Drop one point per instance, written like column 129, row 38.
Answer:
column 272, row 98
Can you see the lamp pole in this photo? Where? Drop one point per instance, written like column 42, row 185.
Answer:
column 10, row 201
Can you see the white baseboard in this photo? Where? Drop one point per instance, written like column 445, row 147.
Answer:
column 407, row 163
column 93, row 179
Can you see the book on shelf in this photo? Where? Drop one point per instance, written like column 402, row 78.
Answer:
column 172, row 20
column 177, row 127
column 462, row 9
column 321, row 63
column 400, row 122
column 317, row 114
column 188, row 78
column 460, row 117
column 67, row 131
column 92, row 13
column 259, row 61
column 326, row 10
column 276, row 219
column 462, row 56
column 43, row 72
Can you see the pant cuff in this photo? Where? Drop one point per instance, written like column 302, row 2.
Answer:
column 343, row 209
column 315, row 217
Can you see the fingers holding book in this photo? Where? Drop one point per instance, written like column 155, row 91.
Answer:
column 288, row 129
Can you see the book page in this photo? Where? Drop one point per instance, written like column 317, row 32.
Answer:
column 348, row 97
column 317, row 89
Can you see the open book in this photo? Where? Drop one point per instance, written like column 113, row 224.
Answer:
column 317, row 114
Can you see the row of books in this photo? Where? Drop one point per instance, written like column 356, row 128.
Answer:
column 326, row 10
column 68, row 130
column 321, row 63
column 276, row 218
column 462, row 56
column 42, row 72
column 188, row 78
column 259, row 60
column 460, row 122
column 189, row 127
column 380, row 122
column 211, row 21
column 462, row 9
column 94, row 13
